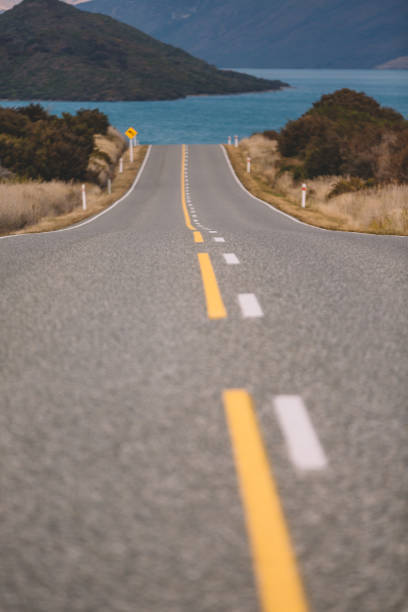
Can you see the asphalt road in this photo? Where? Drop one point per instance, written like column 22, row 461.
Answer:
column 118, row 483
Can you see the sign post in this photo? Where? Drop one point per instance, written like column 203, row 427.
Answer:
column 131, row 133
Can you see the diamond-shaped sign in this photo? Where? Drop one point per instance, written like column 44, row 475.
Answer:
column 131, row 133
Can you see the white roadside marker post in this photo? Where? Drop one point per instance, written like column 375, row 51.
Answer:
column 83, row 198
column 121, row 165
column 304, row 188
column 229, row 140
column 248, row 165
column 235, row 141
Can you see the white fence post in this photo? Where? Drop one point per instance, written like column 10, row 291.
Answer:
column 249, row 165
column 235, row 141
column 83, row 198
column 304, row 188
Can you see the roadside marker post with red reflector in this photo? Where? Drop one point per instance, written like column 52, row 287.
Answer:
column 304, row 188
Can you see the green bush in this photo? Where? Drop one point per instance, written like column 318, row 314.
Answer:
column 34, row 112
column 348, row 133
column 36, row 145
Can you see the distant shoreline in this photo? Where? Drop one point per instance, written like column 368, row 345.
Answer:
column 213, row 95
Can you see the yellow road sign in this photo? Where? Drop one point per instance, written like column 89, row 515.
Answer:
column 131, row 133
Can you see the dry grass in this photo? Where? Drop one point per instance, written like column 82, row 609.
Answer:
column 23, row 204
column 42, row 207
column 108, row 150
column 383, row 210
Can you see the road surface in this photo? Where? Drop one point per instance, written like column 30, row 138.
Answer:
column 147, row 354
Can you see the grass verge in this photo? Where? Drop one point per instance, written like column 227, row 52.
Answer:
column 32, row 206
column 380, row 210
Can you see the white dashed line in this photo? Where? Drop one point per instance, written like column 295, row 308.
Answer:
column 305, row 450
column 219, row 239
column 249, row 305
column 213, row 232
column 231, row 258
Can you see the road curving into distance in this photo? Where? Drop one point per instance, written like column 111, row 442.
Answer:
column 203, row 407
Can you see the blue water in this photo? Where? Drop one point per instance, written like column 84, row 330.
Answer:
column 211, row 119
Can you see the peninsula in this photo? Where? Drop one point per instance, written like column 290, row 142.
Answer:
column 51, row 50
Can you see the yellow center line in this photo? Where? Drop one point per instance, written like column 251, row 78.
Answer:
column 215, row 305
column 183, row 190
column 198, row 237
column 279, row 584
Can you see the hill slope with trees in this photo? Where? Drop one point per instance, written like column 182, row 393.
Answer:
column 50, row 50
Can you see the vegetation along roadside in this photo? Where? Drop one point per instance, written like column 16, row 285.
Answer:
column 352, row 154
column 44, row 160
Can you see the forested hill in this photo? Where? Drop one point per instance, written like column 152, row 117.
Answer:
column 272, row 33
column 50, row 50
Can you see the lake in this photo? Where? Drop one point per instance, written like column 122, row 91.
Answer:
column 211, row 119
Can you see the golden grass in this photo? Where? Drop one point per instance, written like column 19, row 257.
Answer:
column 43, row 207
column 383, row 210
column 23, row 204
column 107, row 151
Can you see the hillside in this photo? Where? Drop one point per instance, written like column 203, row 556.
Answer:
column 272, row 34
column 399, row 63
column 50, row 50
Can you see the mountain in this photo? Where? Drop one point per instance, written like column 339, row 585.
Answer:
column 399, row 63
column 7, row 4
column 50, row 50
column 272, row 33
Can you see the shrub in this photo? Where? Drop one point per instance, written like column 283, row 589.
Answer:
column 96, row 121
column 348, row 133
column 271, row 134
column 36, row 145
column 346, row 186
column 34, row 112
